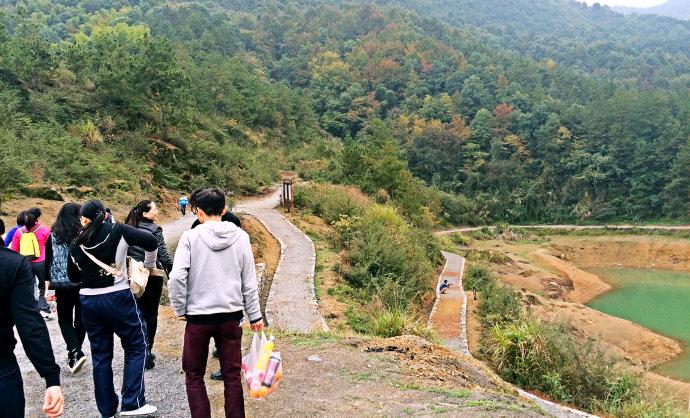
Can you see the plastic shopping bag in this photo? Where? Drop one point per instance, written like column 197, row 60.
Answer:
column 262, row 367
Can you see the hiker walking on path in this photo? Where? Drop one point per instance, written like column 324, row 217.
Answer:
column 227, row 217
column 108, row 306
column 64, row 232
column 21, row 220
column 183, row 202
column 212, row 281
column 30, row 241
column 143, row 216
column 18, row 307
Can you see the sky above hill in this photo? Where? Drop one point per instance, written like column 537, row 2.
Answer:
column 627, row 3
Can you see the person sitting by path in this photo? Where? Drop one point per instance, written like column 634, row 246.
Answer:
column 213, row 279
column 143, row 216
column 21, row 221
column 18, row 308
column 444, row 286
column 98, row 260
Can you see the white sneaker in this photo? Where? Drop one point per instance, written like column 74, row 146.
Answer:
column 147, row 409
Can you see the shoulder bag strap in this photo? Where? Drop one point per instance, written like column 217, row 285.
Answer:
column 109, row 269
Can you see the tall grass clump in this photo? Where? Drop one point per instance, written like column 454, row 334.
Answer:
column 547, row 358
column 388, row 261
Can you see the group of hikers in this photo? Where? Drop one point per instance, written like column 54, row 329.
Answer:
column 84, row 257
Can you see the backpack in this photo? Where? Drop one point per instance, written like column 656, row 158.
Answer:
column 28, row 244
column 58, row 267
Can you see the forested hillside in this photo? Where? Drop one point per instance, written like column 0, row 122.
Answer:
column 679, row 9
column 516, row 111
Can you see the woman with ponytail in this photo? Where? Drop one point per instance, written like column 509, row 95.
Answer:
column 143, row 216
column 98, row 261
column 64, row 231
column 33, row 225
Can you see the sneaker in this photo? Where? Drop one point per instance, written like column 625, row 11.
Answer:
column 216, row 375
column 150, row 363
column 46, row 315
column 147, row 409
column 76, row 362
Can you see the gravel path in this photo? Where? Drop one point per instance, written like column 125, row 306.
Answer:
column 449, row 317
column 291, row 304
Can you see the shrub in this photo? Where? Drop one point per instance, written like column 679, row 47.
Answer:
column 547, row 358
column 383, row 249
column 330, row 202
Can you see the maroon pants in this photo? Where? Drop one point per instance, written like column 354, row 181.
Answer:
column 228, row 336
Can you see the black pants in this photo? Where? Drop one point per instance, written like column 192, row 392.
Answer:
column 183, row 209
column 39, row 270
column 148, row 303
column 69, row 319
column 11, row 390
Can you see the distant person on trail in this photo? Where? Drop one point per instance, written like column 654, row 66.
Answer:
column 18, row 308
column 444, row 286
column 142, row 216
column 21, row 220
column 183, row 204
column 30, row 241
column 215, row 255
column 64, row 231
column 98, row 260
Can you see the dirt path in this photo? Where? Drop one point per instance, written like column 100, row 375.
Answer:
column 574, row 228
column 447, row 314
column 449, row 317
column 292, row 303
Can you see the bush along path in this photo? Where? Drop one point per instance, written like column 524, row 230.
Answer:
column 292, row 304
column 449, row 318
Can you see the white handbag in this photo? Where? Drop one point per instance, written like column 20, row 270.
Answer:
column 138, row 274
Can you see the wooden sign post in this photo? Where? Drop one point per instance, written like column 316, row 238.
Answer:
column 287, row 195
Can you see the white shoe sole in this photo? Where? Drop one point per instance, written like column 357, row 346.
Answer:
column 77, row 367
column 143, row 411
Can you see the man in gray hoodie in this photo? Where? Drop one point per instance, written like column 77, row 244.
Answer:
column 212, row 281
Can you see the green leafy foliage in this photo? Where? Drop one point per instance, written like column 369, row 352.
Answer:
column 546, row 357
column 544, row 111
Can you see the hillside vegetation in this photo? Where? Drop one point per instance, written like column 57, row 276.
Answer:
column 672, row 8
column 580, row 114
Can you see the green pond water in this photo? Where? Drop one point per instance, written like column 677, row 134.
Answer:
column 656, row 299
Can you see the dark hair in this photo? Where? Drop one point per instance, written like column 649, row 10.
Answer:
column 21, row 218
column 2, row 227
column 211, row 201
column 228, row 217
column 95, row 212
column 136, row 215
column 32, row 216
column 67, row 225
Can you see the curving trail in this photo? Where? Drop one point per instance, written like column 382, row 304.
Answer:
column 292, row 303
column 449, row 318
column 574, row 228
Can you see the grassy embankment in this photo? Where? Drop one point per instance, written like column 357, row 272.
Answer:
column 547, row 358
column 375, row 270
